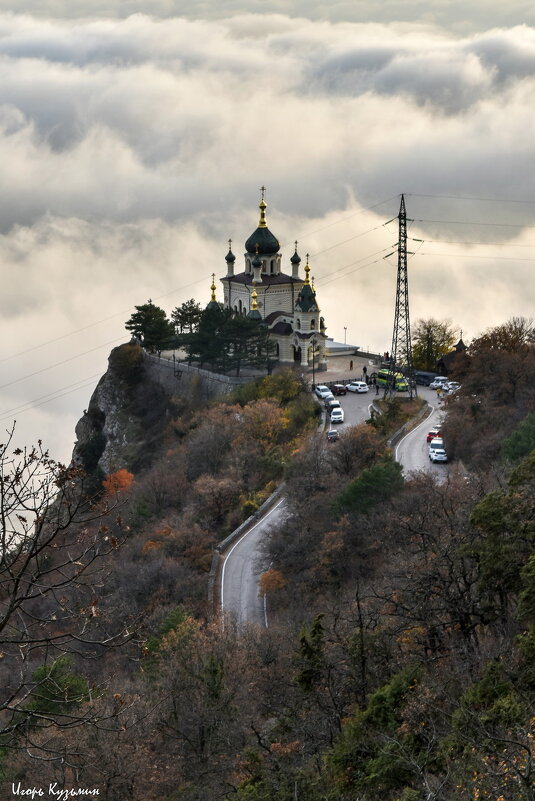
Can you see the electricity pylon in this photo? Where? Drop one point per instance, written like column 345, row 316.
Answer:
column 401, row 351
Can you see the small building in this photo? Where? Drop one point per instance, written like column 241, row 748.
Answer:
column 447, row 361
column 286, row 302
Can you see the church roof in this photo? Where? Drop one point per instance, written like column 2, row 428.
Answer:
column 306, row 300
column 269, row 318
column 267, row 280
column 281, row 328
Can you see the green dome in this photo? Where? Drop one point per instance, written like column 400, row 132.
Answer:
column 267, row 243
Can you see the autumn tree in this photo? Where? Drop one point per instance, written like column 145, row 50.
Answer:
column 498, row 393
column 116, row 482
column 431, row 339
column 52, row 552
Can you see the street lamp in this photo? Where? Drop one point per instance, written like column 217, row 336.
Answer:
column 345, row 334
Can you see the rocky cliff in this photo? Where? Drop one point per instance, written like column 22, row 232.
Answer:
column 126, row 415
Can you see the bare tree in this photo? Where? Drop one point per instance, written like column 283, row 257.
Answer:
column 53, row 547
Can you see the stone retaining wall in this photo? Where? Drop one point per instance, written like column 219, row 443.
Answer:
column 180, row 378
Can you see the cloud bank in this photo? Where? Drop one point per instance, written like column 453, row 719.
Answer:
column 132, row 148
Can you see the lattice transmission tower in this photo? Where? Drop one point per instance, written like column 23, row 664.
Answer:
column 401, row 351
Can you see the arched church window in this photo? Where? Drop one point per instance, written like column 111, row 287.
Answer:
column 272, row 266
column 312, row 323
column 298, row 322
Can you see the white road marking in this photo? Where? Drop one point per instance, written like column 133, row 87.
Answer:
column 434, row 408
column 236, row 545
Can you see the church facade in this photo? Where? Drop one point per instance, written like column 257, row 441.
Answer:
column 286, row 302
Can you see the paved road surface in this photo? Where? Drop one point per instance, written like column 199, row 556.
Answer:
column 413, row 450
column 240, row 571
column 243, row 563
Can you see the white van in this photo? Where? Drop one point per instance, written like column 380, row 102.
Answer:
column 438, row 382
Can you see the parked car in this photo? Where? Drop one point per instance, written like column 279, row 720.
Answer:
column 322, row 391
column 438, row 382
column 436, row 443
column 339, row 389
column 337, row 415
column 423, row 378
column 438, row 455
column 435, row 432
column 452, row 386
column 357, row 386
column 332, row 404
column 332, row 435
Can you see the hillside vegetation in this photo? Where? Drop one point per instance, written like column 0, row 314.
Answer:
column 399, row 662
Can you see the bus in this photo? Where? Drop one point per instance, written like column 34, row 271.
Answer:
column 384, row 378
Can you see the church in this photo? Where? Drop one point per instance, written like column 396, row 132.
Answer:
column 284, row 301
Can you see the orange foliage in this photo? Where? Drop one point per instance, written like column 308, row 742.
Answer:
column 118, row 481
column 150, row 545
column 270, row 581
column 285, row 749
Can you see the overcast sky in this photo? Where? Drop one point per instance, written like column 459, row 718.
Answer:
column 134, row 137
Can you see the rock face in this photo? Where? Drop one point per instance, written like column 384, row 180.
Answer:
column 125, row 416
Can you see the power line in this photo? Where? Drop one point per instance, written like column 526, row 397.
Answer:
column 42, row 403
column 64, row 361
column 194, row 283
column 345, row 241
column 465, row 197
column 16, row 409
column 343, row 219
column 97, row 322
column 464, row 222
column 335, row 277
column 486, row 244
column 473, row 256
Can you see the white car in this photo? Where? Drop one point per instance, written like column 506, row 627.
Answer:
column 438, row 455
column 337, row 415
column 438, row 382
column 451, row 387
column 436, row 444
column 357, row 386
column 322, row 391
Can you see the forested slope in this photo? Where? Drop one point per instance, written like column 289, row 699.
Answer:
column 399, row 664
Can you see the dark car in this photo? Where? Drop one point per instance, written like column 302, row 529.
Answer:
column 423, row 377
column 332, row 435
column 339, row 389
column 332, row 404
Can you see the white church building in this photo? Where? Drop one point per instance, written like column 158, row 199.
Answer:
column 285, row 301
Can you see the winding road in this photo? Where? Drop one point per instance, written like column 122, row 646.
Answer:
column 245, row 560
